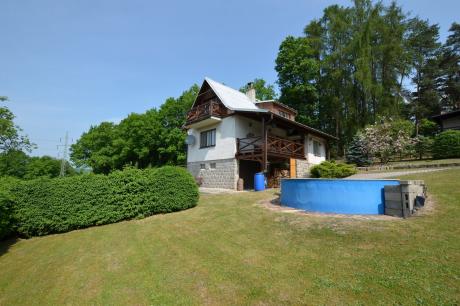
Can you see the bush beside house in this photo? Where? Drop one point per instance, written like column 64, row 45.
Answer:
column 44, row 206
column 447, row 145
column 329, row 169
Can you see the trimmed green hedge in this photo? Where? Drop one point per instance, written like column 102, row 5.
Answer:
column 6, row 215
column 6, row 205
column 447, row 145
column 331, row 169
column 45, row 206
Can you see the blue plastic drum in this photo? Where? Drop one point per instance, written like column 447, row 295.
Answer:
column 259, row 181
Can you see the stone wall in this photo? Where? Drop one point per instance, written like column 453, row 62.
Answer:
column 302, row 168
column 223, row 175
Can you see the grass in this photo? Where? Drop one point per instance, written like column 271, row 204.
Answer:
column 426, row 162
column 229, row 250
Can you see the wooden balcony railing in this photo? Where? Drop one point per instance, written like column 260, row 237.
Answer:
column 254, row 146
column 211, row 108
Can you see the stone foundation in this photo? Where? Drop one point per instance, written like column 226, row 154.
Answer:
column 224, row 175
column 302, row 168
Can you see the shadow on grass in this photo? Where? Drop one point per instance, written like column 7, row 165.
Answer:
column 6, row 244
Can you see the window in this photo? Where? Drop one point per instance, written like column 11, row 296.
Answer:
column 284, row 114
column 316, row 148
column 213, row 165
column 203, row 166
column 208, row 139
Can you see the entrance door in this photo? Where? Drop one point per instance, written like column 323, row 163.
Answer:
column 247, row 170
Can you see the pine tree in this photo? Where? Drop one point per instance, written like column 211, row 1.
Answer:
column 450, row 65
column 357, row 152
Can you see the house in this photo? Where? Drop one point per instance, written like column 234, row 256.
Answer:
column 449, row 120
column 232, row 135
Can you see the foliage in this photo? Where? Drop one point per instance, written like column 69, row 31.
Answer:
column 357, row 152
column 13, row 163
column 447, row 145
column 423, row 47
column 18, row 164
column 6, row 218
column 383, row 140
column 153, row 138
column 428, row 127
column 46, row 166
column 297, row 70
column 351, row 67
column 10, row 138
column 449, row 80
column 264, row 91
column 44, row 206
column 6, row 205
column 330, row 169
column 423, row 145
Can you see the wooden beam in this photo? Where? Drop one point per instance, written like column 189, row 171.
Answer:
column 292, row 168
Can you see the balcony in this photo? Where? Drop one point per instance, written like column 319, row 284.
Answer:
column 211, row 111
column 252, row 148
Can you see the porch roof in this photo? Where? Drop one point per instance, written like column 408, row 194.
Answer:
column 287, row 123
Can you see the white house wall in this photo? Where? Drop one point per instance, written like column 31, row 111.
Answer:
column 225, row 147
column 311, row 158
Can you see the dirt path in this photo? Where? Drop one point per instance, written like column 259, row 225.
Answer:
column 381, row 175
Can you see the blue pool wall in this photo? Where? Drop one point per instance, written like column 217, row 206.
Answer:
column 335, row 195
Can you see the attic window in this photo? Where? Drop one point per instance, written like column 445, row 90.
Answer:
column 284, row 114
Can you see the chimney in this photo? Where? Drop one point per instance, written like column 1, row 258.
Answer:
column 251, row 92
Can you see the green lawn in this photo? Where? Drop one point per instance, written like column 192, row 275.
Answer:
column 229, row 250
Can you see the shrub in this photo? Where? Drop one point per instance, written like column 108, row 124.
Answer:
column 6, row 216
column 447, row 145
column 44, row 206
column 332, row 170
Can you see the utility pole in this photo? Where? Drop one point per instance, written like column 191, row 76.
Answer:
column 64, row 154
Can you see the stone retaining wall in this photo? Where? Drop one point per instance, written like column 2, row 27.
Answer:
column 224, row 175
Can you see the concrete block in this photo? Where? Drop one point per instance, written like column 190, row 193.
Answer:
column 393, row 212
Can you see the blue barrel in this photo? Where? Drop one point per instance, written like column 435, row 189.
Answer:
column 259, row 181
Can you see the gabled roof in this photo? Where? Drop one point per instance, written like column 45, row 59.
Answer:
column 232, row 98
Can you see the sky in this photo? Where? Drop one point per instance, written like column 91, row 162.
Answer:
column 66, row 65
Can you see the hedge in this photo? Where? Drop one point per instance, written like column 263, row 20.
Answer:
column 45, row 206
column 331, row 169
column 447, row 145
column 6, row 206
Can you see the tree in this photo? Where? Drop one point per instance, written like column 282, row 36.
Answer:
column 264, row 91
column 13, row 163
column 151, row 139
column 357, row 152
column 45, row 166
column 347, row 70
column 297, row 70
column 383, row 140
column 95, row 148
column 423, row 49
column 450, row 67
column 10, row 138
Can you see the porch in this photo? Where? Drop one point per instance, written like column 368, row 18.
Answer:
column 277, row 149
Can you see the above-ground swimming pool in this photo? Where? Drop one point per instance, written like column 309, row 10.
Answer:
column 335, row 195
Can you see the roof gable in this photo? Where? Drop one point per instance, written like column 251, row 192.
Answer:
column 232, row 98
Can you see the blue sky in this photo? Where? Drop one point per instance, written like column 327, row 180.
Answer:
column 66, row 65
